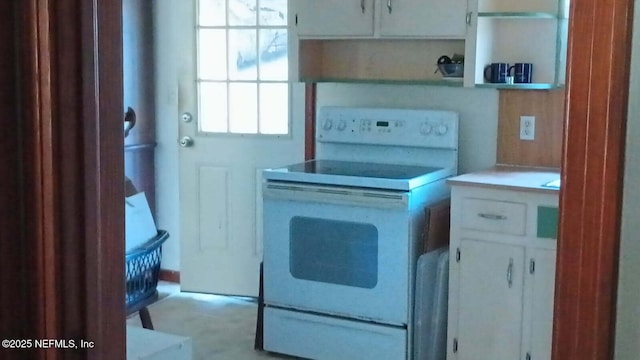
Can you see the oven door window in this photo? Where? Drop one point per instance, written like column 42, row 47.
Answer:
column 334, row 252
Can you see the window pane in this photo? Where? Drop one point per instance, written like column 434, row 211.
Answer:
column 212, row 13
column 274, row 108
column 243, row 112
column 242, row 12
column 234, row 60
column 273, row 54
column 212, row 46
column 242, row 55
column 272, row 12
column 213, row 107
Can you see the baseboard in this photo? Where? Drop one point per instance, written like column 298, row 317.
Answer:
column 169, row 275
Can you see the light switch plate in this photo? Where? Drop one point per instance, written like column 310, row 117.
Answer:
column 527, row 127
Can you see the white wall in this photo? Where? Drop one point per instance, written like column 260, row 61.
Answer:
column 166, row 99
column 627, row 344
column 478, row 109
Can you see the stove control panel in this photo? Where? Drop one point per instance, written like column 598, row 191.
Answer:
column 398, row 127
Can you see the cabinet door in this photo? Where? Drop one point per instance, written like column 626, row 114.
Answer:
column 543, row 280
column 339, row 18
column 429, row 18
column 490, row 300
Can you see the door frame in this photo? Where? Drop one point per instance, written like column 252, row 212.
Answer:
column 82, row 244
column 599, row 53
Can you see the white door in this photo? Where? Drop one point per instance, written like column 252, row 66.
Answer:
column 246, row 116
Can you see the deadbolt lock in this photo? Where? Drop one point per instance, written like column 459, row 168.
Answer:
column 187, row 117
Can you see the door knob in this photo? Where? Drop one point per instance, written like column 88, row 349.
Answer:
column 186, row 141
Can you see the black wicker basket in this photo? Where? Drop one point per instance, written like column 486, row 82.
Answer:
column 142, row 270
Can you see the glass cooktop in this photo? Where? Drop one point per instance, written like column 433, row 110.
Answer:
column 359, row 174
column 371, row 170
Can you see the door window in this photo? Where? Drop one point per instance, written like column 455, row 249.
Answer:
column 242, row 80
column 336, row 252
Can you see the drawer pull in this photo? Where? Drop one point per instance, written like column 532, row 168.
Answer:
column 510, row 273
column 362, row 6
column 389, row 7
column 492, row 216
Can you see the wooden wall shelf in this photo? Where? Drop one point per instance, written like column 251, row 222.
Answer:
column 411, row 61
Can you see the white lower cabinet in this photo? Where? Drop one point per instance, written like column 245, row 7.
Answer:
column 502, row 274
column 491, row 283
column 542, row 303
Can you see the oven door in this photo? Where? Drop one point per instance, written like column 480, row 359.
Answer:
column 337, row 251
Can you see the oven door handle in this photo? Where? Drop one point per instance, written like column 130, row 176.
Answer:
column 336, row 195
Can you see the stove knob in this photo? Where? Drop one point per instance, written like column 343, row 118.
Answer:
column 442, row 129
column 342, row 125
column 327, row 124
column 425, row 129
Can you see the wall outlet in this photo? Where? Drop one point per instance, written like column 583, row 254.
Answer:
column 527, row 127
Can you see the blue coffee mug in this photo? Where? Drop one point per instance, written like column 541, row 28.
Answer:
column 496, row 72
column 522, row 73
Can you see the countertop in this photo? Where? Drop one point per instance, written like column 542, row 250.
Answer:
column 511, row 177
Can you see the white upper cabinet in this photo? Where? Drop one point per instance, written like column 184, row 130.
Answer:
column 380, row 18
column 396, row 41
column 423, row 18
column 333, row 18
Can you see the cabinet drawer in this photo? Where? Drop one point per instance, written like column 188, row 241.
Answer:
column 495, row 216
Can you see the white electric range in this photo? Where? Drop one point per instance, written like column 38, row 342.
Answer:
column 342, row 233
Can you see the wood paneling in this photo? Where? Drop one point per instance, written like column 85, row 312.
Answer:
column 590, row 198
column 548, row 108
column 138, row 73
column 366, row 59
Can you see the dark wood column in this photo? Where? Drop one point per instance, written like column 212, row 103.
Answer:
column 16, row 317
column 590, row 199
column 102, row 174
column 62, row 270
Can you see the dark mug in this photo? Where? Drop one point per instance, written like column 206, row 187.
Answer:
column 522, row 73
column 496, row 72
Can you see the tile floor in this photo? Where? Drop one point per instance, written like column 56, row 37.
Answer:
column 220, row 327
